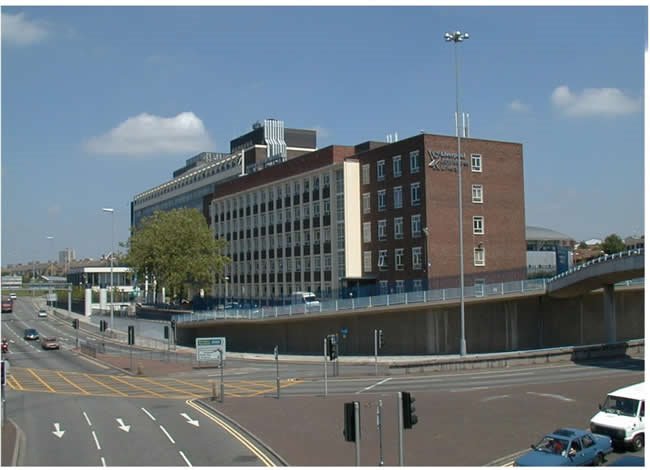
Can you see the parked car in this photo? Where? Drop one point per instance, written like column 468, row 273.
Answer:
column 567, row 447
column 31, row 334
column 42, row 313
column 49, row 342
column 622, row 416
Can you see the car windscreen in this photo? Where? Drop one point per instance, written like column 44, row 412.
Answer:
column 621, row 405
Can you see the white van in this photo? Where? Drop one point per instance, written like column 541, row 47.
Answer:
column 308, row 299
column 622, row 416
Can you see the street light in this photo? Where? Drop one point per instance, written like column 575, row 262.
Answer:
column 225, row 299
column 458, row 37
column 112, row 212
column 49, row 292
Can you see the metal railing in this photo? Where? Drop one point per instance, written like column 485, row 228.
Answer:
column 600, row 259
column 357, row 303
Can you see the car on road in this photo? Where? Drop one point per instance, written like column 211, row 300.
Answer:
column 7, row 304
column 30, row 334
column 567, row 447
column 622, row 416
column 42, row 313
column 49, row 342
column 12, row 296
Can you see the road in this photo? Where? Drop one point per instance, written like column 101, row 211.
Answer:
column 66, row 424
column 465, row 418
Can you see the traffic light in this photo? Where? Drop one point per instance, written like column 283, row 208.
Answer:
column 131, row 334
column 332, row 347
column 349, row 422
column 166, row 332
column 380, row 339
column 75, row 323
column 103, row 325
column 408, row 410
column 173, row 324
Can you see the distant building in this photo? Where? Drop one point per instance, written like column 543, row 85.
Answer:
column 634, row 242
column 66, row 256
column 547, row 252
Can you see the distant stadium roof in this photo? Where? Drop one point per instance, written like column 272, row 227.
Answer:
column 540, row 233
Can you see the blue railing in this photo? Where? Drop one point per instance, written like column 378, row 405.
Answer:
column 383, row 300
column 601, row 259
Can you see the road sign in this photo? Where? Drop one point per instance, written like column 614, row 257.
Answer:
column 51, row 297
column 207, row 349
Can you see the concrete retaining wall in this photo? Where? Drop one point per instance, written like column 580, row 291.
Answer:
column 492, row 325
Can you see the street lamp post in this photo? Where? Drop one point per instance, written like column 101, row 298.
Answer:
column 49, row 292
column 458, row 37
column 225, row 299
column 112, row 212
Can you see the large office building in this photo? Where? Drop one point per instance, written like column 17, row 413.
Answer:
column 266, row 144
column 372, row 218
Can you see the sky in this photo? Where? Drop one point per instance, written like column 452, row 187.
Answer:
column 102, row 103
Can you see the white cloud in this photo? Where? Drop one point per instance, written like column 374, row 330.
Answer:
column 594, row 102
column 517, row 106
column 146, row 134
column 16, row 29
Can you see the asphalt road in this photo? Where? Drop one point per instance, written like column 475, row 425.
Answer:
column 77, row 427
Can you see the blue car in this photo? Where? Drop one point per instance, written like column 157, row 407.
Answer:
column 567, row 447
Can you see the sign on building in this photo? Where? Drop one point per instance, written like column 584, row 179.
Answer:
column 207, row 349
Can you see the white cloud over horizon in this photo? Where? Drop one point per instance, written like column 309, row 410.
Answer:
column 517, row 106
column 594, row 102
column 17, row 30
column 147, row 135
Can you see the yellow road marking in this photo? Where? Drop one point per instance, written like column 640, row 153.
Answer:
column 40, row 380
column 18, row 386
column 107, row 386
column 183, row 392
column 135, row 386
column 193, row 384
column 233, row 432
column 72, row 383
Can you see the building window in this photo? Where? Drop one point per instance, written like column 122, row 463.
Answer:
column 383, row 287
column 381, row 200
column 415, row 194
column 477, row 193
column 381, row 170
column 398, row 228
column 382, row 260
column 399, row 259
column 416, row 257
column 365, row 174
column 399, row 286
column 366, row 203
column 367, row 236
column 416, row 226
column 397, row 197
column 477, row 163
column 397, row 166
column 479, row 256
column 367, row 261
column 414, row 159
column 417, row 284
column 381, row 230
column 479, row 228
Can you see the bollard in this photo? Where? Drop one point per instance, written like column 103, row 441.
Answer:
column 140, row 371
column 213, row 386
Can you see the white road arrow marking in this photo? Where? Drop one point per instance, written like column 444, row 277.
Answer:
column 122, row 426
column 551, row 395
column 194, row 422
column 58, row 433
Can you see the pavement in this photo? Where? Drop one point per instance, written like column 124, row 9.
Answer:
column 307, row 430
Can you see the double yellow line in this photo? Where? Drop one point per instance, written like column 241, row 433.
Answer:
column 234, row 433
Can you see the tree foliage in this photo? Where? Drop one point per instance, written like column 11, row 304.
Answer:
column 177, row 248
column 612, row 244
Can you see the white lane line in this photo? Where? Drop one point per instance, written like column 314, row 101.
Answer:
column 148, row 414
column 167, row 434
column 551, row 395
column 514, row 374
column 374, row 385
column 471, row 389
column 495, row 397
column 96, row 441
column 185, row 458
column 103, row 462
column 87, row 419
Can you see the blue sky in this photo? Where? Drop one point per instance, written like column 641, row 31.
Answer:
column 99, row 104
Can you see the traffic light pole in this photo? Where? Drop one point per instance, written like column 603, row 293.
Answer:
column 221, row 367
column 325, row 361
column 381, row 448
column 376, row 366
column 400, row 429
column 357, row 433
column 277, row 372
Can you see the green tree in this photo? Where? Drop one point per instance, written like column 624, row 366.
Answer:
column 178, row 249
column 612, row 244
column 582, row 245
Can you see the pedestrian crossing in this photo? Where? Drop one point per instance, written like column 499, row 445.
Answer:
column 127, row 386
